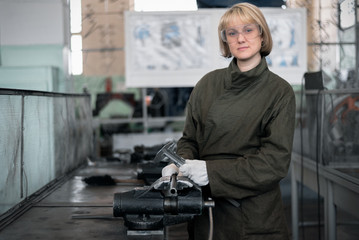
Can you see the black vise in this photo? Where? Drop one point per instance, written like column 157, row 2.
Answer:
column 168, row 201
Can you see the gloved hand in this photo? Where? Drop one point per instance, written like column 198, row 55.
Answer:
column 169, row 170
column 196, row 170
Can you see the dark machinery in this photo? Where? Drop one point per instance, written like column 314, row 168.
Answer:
column 168, row 201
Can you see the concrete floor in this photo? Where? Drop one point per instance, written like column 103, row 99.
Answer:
column 78, row 211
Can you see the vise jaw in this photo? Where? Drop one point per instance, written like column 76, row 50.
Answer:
column 168, row 201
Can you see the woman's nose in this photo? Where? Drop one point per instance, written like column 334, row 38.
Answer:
column 241, row 37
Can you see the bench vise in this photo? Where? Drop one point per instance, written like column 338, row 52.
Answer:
column 168, row 201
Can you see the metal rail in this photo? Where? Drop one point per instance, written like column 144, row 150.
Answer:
column 338, row 190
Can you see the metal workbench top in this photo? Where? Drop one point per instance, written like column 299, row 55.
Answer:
column 75, row 210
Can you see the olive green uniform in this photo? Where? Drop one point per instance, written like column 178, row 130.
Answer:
column 242, row 125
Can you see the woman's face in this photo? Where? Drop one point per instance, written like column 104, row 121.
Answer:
column 244, row 41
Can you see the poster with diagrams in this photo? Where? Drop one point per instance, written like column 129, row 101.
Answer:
column 175, row 49
column 288, row 57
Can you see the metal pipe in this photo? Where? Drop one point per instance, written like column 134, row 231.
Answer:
column 330, row 216
column 294, row 199
column 210, row 235
column 173, row 185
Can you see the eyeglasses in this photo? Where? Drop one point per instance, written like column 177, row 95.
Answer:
column 248, row 31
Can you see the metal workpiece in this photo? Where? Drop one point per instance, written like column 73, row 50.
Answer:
column 172, row 190
column 150, row 171
column 168, row 201
column 168, row 153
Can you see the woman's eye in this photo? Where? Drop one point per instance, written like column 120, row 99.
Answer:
column 232, row 33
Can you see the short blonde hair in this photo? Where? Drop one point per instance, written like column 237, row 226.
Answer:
column 247, row 13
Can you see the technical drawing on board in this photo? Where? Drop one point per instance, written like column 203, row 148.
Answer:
column 175, row 49
column 170, row 43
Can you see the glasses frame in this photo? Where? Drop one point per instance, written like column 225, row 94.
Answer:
column 224, row 37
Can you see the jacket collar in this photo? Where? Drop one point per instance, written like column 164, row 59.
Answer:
column 239, row 80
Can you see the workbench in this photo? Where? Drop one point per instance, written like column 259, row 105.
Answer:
column 75, row 210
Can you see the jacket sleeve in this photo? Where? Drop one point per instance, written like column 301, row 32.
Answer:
column 260, row 171
column 187, row 145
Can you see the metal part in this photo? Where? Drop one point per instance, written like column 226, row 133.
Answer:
column 167, row 152
column 151, row 171
column 173, row 186
column 170, row 200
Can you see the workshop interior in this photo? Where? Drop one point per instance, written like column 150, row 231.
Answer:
column 93, row 100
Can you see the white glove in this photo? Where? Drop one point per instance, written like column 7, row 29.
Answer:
column 169, row 170
column 196, row 170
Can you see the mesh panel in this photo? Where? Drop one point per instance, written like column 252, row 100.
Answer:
column 42, row 137
column 341, row 130
column 10, row 150
column 38, row 134
column 329, row 128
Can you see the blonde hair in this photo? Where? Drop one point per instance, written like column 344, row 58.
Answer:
column 247, row 13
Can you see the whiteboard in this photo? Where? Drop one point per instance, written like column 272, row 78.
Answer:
column 175, row 49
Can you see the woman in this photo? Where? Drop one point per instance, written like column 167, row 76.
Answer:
column 238, row 134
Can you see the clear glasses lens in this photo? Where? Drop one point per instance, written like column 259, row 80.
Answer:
column 248, row 31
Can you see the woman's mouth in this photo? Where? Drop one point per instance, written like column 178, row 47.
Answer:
column 242, row 48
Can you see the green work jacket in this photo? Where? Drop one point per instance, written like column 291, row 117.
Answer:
column 242, row 125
